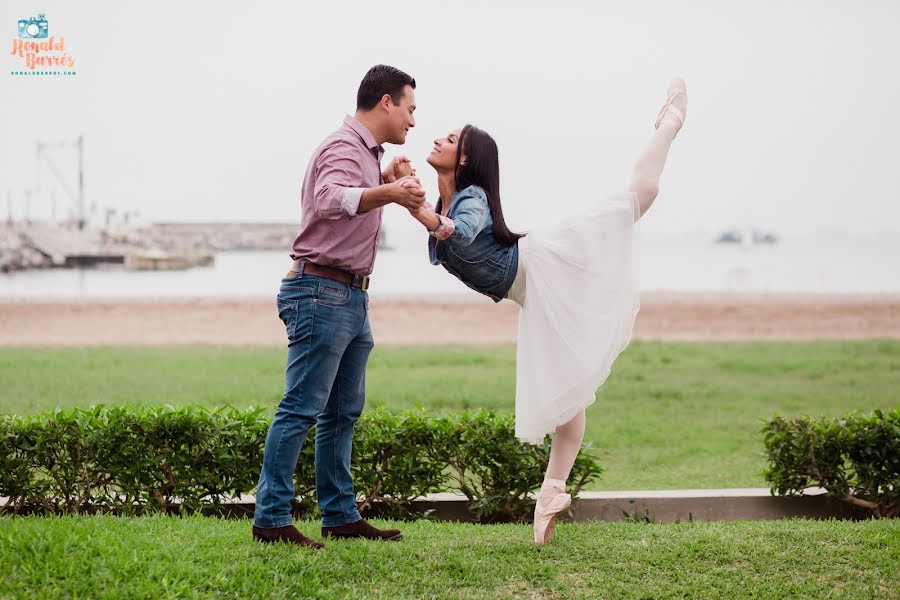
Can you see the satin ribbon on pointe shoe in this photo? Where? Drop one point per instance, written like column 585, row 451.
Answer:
column 673, row 114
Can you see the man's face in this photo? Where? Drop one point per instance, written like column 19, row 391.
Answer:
column 400, row 117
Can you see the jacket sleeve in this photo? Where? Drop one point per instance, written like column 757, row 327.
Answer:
column 469, row 216
column 445, row 226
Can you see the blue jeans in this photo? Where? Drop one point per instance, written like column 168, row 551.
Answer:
column 329, row 340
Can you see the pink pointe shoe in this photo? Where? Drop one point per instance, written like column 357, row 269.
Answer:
column 545, row 514
column 674, row 110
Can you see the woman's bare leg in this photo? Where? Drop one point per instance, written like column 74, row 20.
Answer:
column 552, row 499
column 563, row 451
column 649, row 166
column 650, row 163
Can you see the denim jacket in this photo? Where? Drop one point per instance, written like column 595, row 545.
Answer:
column 471, row 253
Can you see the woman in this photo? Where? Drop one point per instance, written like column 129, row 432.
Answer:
column 572, row 279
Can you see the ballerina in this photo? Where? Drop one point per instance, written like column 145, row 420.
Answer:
column 573, row 280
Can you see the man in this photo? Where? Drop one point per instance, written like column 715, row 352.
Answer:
column 324, row 305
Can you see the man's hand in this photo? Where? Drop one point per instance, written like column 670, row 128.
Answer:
column 408, row 193
column 412, row 183
column 398, row 168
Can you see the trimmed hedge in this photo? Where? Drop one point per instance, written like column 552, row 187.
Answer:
column 856, row 458
column 131, row 460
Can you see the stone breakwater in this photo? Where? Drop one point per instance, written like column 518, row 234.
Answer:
column 27, row 246
column 40, row 245
column 220, row 237
column 16, row 254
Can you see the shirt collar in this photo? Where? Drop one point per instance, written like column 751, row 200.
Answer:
column 363, row 132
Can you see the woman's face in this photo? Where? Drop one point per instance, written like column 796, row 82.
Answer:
column 443, row 157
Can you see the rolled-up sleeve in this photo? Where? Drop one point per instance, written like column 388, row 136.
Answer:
column 338, row 186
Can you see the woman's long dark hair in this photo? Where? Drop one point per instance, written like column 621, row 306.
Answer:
column 482, row 168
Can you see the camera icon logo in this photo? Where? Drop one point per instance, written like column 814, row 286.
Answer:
column 35, row 27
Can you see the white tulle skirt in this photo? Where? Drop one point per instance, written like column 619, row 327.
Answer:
column 577, row 286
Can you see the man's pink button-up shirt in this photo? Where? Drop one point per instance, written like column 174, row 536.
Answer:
column 331, row 233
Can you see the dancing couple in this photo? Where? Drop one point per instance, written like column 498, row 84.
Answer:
column 573, row 280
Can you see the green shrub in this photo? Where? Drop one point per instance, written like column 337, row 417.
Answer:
column 856, row 458
column 391, row 463
column 493, row 469
column 17, row 481
column 138, row 460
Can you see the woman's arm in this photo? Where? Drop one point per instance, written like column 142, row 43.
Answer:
column 468, row 220
column 437, row 225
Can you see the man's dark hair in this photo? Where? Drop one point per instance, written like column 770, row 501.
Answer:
column 381, row 80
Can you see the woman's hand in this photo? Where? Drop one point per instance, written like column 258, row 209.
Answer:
column 398, row 168
column 404, row 168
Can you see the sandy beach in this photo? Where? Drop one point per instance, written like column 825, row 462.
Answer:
column 426, row 322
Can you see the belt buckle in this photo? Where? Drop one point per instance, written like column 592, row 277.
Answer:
column 364, row 283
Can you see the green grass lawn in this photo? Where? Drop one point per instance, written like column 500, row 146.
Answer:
column 672, row 415
column 197, row 557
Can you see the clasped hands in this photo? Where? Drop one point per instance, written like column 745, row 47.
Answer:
column 407, row 190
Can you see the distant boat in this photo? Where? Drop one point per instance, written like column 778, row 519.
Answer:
column 157, row 260
column 763, row 237
column 732, row 236
column 754, row 236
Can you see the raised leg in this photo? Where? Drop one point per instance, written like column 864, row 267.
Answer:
column 649, row 166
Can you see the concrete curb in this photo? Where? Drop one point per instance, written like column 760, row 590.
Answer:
column 669, row 506
column 653, row 506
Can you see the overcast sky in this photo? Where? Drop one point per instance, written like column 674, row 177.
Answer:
column 194, row 111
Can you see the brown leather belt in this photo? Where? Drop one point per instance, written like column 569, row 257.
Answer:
column 304, row 267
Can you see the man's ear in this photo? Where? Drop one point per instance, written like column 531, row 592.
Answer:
column 386, row 102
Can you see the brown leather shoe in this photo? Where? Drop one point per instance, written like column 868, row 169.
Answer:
column 288, row 534
column 361, row 529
